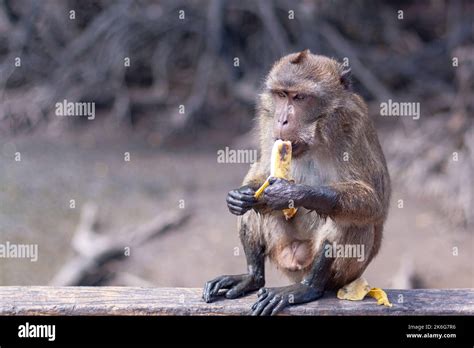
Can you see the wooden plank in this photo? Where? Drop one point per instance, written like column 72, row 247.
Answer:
column 42, row 300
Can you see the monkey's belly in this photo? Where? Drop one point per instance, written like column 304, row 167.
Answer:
column 291, row 245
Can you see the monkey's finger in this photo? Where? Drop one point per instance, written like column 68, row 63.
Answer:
column 271, row 305
column 260, row 298
column 262, row 295
column 214, row 290
column 242, row 196
column 247, row 191
column 210, row 287
column 206, row 293
column 238, row 202
column 213, row 287
column 261, row 306
column 236, row 207
column 236, row 213
column 279, row 307
column 224, row 283
column 236, row 210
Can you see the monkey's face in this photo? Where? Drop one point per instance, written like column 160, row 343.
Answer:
column 292, row 119
column 303, row 89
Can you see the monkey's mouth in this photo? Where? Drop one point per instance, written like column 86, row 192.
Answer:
column 298, row 149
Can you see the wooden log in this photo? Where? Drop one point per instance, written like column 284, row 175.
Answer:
column 43, row 300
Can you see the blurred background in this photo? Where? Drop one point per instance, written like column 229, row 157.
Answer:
column 136, row 195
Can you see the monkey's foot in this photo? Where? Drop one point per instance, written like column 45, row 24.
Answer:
column 272, row 300
column 234, row 286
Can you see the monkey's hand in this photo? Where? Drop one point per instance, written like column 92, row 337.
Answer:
column 234, row 286
column 241, row 200
column 282, row 194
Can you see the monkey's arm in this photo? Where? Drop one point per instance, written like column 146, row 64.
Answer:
column 355, row 200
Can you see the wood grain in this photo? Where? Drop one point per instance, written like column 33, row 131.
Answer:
column 43, row 300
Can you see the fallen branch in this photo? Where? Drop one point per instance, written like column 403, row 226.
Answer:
column 95, row 252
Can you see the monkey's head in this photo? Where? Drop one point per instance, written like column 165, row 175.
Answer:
column 304, row 88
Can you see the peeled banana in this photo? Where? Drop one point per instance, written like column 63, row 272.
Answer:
column 279, row 168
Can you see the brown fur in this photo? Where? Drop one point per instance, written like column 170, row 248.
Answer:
column 343, row 153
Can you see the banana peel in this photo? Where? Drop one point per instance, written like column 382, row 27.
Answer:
column 380, row 296
column 279, row 168
column 354, row 291
column 359, row 289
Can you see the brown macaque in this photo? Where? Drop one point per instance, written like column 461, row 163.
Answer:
column 341, row 187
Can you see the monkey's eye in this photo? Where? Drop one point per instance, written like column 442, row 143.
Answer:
column 299, row 97
column 281, row 94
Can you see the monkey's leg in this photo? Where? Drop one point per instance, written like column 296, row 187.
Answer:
column 272, row 300
column 241, row 284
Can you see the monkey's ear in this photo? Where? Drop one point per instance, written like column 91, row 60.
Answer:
column 346, row 78
column 300, row 57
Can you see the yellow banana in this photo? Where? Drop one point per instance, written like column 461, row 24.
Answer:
column 358, row 289
column 279, row 168
column 380, row 296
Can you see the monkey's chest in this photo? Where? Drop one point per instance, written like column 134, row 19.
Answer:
column 313, row 171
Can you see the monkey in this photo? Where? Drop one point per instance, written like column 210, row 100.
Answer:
column 341, row 187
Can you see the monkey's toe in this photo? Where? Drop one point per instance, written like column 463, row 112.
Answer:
column 269, row 302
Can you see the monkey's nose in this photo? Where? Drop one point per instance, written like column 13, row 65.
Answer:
column 283, row 129
column 282, row 124
column 283, row 118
